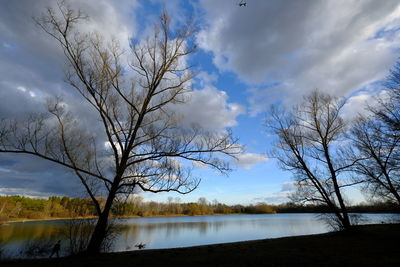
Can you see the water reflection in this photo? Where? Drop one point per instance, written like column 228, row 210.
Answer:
column 167, row 232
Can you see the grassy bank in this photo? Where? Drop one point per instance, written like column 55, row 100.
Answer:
column 371, row 245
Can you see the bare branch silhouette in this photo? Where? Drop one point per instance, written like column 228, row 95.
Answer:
column 146, row 147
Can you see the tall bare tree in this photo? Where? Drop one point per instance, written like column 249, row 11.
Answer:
column 379, row 148
column 308, row 144
column 147, row 147
column 377, row 140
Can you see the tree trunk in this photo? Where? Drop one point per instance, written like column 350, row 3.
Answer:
column 397, row 196
column 392, row 189
column 345, row 215
column 344, row 218
column 100, row 231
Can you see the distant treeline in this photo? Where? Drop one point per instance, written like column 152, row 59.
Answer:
column 17, row 207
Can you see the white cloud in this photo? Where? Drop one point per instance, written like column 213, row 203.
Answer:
column 21, row 88
column 36, row 63
column 273, row 198
column 358, row 104
column 209, row 108
column 206, row 78
column 288, row 187
column 24, row 192
column 281, row 196
column 248, row 160
column 284, row 49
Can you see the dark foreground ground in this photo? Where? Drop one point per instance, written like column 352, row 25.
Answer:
column 372, row 245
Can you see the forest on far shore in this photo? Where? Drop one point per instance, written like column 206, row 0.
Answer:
column 20, row 208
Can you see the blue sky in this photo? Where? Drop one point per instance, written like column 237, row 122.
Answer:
column 248, row 58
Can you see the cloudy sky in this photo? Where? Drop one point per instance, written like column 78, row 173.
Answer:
column 248, row 58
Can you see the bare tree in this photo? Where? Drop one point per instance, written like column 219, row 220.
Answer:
column 388, row 108
column 379, row 147
column 377, row 139
column 147, row 148
column 308, row 144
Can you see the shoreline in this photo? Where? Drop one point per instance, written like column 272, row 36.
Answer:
column 367, row 245
column 125, row 217
column 44, row 220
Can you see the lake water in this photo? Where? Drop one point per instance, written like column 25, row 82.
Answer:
column 171, row 232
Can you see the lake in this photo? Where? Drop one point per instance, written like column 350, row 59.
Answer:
column 171, row 232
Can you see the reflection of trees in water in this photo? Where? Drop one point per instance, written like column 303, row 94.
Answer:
column 128, row 234
column 32, row 239
column 131, row 233
column 393, row 218
column 203, row 227
column 175, row 228
column 26, row 231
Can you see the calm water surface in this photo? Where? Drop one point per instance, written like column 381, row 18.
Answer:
column 170, row 232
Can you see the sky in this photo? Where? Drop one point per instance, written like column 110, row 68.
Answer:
column 247, row 58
